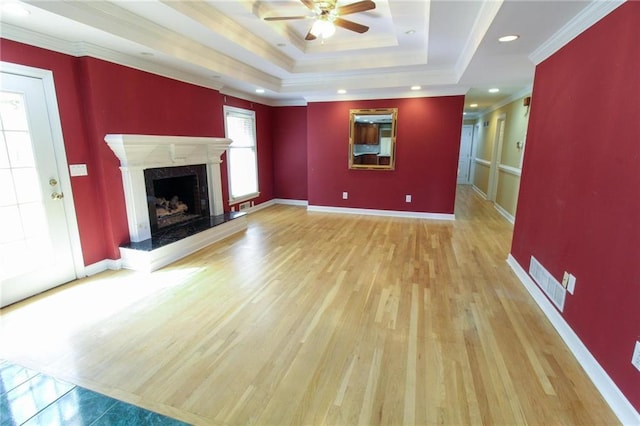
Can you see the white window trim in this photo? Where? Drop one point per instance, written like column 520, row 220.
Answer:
column 248, row 197
column 245, row 112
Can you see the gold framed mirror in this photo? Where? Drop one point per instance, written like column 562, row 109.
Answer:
column 372, row 138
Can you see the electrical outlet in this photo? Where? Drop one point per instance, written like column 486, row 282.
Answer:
column 571, row 284
column 407, row 198
column 345, row 195
column 635, row 359
column 565, row 279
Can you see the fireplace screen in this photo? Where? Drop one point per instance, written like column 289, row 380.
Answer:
column 176, row 194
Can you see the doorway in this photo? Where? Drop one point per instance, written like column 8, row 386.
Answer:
column 464, row 161
column 39, row 238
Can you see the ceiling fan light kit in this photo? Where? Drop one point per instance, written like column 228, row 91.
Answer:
column 328, row 16
column 323, row 28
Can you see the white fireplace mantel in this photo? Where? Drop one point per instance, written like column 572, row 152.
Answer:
column 139, row 152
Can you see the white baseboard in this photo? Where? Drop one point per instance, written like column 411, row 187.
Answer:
column 479, row 191
column 504, row 213
column 103, row 265
column 289, row 202
column 260, row 206
column 372, row 212
column 273, row 202
column 620, row 405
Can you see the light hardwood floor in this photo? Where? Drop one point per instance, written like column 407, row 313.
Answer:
column 311, row 318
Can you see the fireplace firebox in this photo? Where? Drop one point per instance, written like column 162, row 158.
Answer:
column 176, row 194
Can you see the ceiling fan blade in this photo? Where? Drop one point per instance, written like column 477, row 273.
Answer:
column 309, row 4
column 350, row 25
column 310, row 36
column 359, row 6
column 284, row 18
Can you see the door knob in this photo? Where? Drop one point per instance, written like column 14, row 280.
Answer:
column 57, row 195
column 53, row 182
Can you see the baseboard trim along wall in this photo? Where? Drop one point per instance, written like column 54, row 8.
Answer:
column 289, row 202
column 479, row 191
column 372, row 212
column 504, row 213
column 103, row 265
column 622, row 408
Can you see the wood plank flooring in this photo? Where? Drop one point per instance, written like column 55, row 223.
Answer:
column 311, row 318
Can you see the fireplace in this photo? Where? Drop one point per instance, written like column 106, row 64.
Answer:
column 139, row 153
column 160, row 170
column 176, row 194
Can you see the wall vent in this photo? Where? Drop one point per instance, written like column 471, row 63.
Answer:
column 551, row 287
column 245, row 206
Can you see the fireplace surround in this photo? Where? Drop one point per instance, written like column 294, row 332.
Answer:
column 139, row 153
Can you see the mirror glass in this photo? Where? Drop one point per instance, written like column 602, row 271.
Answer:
column 372, row 138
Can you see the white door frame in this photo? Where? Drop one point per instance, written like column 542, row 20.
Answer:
column 474, row 152
column 60, row 153
column 496, row 157
column 470, row 160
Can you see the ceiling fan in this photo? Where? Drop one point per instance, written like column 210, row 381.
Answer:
column 327, row 16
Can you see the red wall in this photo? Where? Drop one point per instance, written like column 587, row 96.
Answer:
column 579, row 202
column 290, row 153
column 428, row 142
column 96, row 98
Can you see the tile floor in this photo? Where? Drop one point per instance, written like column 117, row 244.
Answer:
column 34, row 399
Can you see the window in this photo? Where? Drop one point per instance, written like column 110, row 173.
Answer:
column 242, row 155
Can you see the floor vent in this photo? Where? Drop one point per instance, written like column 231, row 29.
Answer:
column 547, row 283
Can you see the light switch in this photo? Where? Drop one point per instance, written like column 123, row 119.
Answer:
column 78, row 170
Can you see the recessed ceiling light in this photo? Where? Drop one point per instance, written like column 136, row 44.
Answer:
column 341, row 91
column 494, row 90
column 259, row 90
column 473, row 106
column 15, row 9
column 508, row 38
column 410, row 32
column 416, row 87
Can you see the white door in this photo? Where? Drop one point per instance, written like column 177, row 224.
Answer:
column 464, row 162
column 35, row 247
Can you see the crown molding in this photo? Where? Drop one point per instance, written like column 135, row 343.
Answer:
column 391, row 94
column 373, row 61
column 591, row 14
column 481, row 25
column 230, row 91
column 79, row 49
column 366, row 80
column 33, row 38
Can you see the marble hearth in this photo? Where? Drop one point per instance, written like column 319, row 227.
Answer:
column 140, row 152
